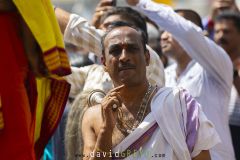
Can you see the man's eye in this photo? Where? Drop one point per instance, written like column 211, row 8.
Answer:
column 115, row 51
column 133, row 48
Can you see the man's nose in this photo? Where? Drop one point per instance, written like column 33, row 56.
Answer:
column 124, row 57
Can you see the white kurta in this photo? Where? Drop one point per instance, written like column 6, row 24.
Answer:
column 208, row 77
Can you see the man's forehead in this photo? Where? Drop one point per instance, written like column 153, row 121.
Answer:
column 224, row 23
column 123, row 33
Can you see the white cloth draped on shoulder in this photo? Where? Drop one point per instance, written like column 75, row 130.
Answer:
column 174, row 130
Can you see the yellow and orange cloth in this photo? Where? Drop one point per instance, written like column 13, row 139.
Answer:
column 16, row 136
column 40, row 18
column 30, row 107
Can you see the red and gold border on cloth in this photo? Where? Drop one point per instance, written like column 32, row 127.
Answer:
column 52, row 113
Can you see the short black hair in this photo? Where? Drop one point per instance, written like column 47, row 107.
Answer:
column 192, row 16
column 118, row 24
column 230, row 15
column 128, row 15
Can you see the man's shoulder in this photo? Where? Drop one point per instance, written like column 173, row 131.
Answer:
column 93, row 111
column 92, row 115
column 169, row 98
column 165, row 91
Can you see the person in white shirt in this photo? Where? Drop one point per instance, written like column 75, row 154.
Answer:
column 227, row 35
column 202, row 67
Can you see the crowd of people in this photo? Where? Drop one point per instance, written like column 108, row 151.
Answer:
column 141, row 82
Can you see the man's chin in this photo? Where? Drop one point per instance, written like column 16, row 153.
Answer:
column 127, row 81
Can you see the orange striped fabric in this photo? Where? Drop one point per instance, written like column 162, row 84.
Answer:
column 52, row 113
column 57, row 61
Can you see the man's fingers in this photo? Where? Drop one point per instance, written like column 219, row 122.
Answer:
column 118, row 97
column 114, row 104
column 117, row 88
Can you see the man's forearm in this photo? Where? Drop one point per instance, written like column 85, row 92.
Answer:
column 62, row 17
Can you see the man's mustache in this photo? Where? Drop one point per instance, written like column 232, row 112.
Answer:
column 126, row 65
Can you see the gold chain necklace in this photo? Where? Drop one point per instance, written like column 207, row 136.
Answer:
column 124, row 127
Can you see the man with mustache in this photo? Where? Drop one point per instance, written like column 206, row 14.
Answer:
column 198, row 68
column 137, row 120
column 79, row 32
column 227, row 35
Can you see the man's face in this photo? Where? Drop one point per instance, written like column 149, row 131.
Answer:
column 125, row 59
column 109, row 20
column 170, row 47
column 227, row 36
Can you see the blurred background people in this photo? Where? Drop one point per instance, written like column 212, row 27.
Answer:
column 227, row 35
column 217, row 7
column 198, row 68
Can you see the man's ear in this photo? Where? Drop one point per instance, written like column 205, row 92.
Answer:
column 147, row 57
column 103, row 61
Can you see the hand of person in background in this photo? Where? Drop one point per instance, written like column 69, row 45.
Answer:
column 132, row 2
column 103, row 6
column 220, row 5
